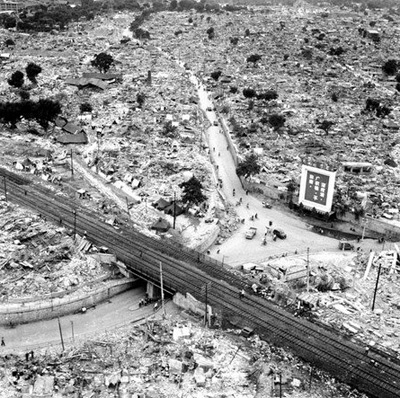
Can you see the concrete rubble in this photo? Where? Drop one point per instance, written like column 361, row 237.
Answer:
column 173, row 357
column 341, row 292
column 38, row 258
column 300, row 62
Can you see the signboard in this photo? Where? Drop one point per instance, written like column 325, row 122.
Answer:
column 316, row 188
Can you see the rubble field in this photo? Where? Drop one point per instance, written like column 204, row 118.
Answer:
column 174, row 357
column 340, row 294
column 38, row 258
column 131, row 152
column 320, row 65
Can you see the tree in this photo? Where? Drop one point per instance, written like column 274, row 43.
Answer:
column 32, row 70
column 169, row 130
column 102, row 62
column 211, row 33
column 268, row 95
column 192, row 192
column 9, row 42
column 249, row 166
column 173, row 5
column 28, row 109
column 24, row 95
column 276, row 121
column 233, row 89
column 16, row 79
column 10, row 113
column 374, row 105
column 46, row 111
column 254, row 58
column 325, row 125
column 291, row 189
column 247, row 32
column 216, row 74
column 336, row 51
column 140, row 98
column 234, row 40
column 249, row 93
column 390, row 67
column 142, row 34
column 85, row 107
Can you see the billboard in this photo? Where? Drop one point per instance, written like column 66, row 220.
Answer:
column 316, row 188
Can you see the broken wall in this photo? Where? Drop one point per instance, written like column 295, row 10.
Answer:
column 48, row 309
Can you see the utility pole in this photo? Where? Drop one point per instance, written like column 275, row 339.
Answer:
column 363, row 232
column 98, row 151
column 204, row 291
column 376, row 286
column 205, row 312
column 73, row 334
column 72, row 165
column 5, row 188
column 75, row 225
column 308, row 269
column 61, row 336
column 174, row 210
column 162, row 290
column 127, row 205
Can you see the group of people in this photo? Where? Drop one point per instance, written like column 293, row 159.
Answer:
column 145, row 301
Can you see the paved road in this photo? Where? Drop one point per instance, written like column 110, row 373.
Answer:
column 237, row 250
column 119, row 310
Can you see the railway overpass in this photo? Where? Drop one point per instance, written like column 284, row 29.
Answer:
column 186, row 270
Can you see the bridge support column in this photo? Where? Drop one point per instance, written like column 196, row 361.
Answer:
column 153, row 291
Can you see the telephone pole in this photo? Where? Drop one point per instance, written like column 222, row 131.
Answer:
column 174, row 210
column 61, row 335
column 72, row 165
column 308, row 269
column 162, row 290
column 376, row 286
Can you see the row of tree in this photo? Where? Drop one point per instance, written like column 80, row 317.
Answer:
column 17, row 78
column 43, row 112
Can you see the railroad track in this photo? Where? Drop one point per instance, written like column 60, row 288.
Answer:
column 186, row 270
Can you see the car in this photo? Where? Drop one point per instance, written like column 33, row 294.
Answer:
column 280, row 233
column 343, row 245
column 215, row 122
column 267, row 205
column 209, row 109
column 251, row 233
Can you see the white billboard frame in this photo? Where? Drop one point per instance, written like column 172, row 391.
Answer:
column 320, row 184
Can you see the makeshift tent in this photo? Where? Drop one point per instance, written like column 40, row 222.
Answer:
column 161, row 225
column 171, row 210
column 161, row 204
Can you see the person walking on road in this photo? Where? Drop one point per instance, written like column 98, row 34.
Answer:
column 233, row 192
column 2, row 342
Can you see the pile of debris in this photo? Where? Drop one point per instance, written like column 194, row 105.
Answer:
column 38, row 258
column 168, row 358
column 355, row 293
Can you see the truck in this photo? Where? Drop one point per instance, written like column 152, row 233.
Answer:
column 251, row 233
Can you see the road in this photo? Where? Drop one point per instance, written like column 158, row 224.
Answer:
column 119, row 310
column 237, row 250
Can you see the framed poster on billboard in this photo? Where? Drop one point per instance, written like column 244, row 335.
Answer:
column 316, row 188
